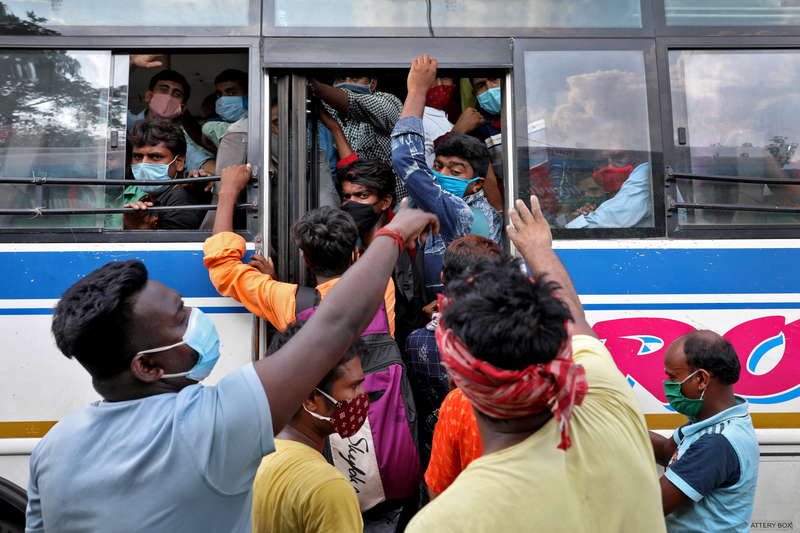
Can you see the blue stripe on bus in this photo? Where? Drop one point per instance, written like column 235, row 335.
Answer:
column 49, row 311
column 644, row 307
column 28, row 275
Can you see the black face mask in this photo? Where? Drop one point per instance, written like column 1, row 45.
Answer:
column 363, row 214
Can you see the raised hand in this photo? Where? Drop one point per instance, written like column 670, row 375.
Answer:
column 146, row 60
column 264, row 265
column 235, row 178
column 529, row 229
column 469, row 119
column 413, row 223
column 422, row 74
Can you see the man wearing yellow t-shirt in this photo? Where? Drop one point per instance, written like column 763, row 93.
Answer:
column 296, row 490
column 565, row 447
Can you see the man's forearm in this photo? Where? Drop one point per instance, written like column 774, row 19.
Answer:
column 544, row 261
column 336, row 98
column 226, row 204
column 414, row 105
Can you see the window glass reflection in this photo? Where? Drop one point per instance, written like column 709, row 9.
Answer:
column 736, row 110
column 588, row 143
column 351, row 13
column 732, row 12
column 42, row 16
column 53, row 124
column 538, row 14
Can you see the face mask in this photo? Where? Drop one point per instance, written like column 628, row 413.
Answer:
column 231, row 108
column 358, row 88
column 612, row 178
column 165, row 106
column 490, row 100
column 439, row 96
column 686, row 406
column 349, row 415
column 363, row 214
column 455, row 186
column 152, row 172
column 202, row 337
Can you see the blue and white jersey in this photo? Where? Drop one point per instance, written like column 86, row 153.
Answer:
column 716, row 465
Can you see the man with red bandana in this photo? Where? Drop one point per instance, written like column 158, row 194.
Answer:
column 565, row 447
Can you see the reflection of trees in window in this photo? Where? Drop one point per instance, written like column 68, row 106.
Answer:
column 781, row 149
column 45, row 100
column 11, row 24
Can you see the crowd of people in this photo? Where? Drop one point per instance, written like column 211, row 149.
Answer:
column 428, row 381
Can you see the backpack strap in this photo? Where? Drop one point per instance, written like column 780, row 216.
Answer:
column 306, row 298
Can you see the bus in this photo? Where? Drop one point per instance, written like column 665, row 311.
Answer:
column 697, row 95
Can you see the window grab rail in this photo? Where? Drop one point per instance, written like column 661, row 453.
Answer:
column 88, row 181
column 674, row 206
column 37, row 211
column 671, row 175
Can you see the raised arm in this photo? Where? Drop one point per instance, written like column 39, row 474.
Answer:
column 343, row 148
column 296, row 368
column 336, row 98
column 530, row 233
column 420, row 78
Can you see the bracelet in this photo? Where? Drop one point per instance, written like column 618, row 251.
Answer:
column 395, row 235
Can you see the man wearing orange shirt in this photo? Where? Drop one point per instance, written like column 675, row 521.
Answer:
column 327, row 239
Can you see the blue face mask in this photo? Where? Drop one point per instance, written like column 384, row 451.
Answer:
column 231, row 108
column 152, row 172
column 490, row 100
column 358, row 88
column 202, row 337
column 455, row 186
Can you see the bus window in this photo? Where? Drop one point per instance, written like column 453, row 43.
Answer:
column 740, row 13
column 102, row 116
column 53, row 124
column 539, row 14
column 353, row 15
column 733, row 115
column 53, row 17
column 588, row 144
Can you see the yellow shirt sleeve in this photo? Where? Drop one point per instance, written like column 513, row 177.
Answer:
column 262, row 295
column 333, row 507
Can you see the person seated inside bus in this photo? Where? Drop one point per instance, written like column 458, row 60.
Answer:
column 166, row 97
column 436, row 124
column 627, row 184
column 230, row 107
column 367, row 192
column 326, row 237
column 158, row 154
column 366, row 115
column 452, row 190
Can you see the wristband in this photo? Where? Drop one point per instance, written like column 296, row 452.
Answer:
column 395, row 235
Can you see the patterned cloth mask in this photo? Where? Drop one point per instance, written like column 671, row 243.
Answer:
column 349, row 415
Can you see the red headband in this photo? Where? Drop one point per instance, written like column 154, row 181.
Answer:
column 558, row 385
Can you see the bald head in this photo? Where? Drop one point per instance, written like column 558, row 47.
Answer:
column 705, row 350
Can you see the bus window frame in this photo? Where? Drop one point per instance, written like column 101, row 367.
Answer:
column 252, row 28
column 729, row 231
column 648, row 49
column 663, row 29
column 125, row 44
column 269, row 29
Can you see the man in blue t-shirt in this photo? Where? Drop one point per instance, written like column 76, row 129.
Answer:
column 712, row 461
column 160, row 452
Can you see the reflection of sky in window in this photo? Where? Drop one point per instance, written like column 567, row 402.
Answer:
column 588, row 99
column 732, row 13
column 135, row 13
column 351, row 13
column 736, row 97
column 537, row 13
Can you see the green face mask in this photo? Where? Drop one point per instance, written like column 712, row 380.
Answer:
column 686, row 406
